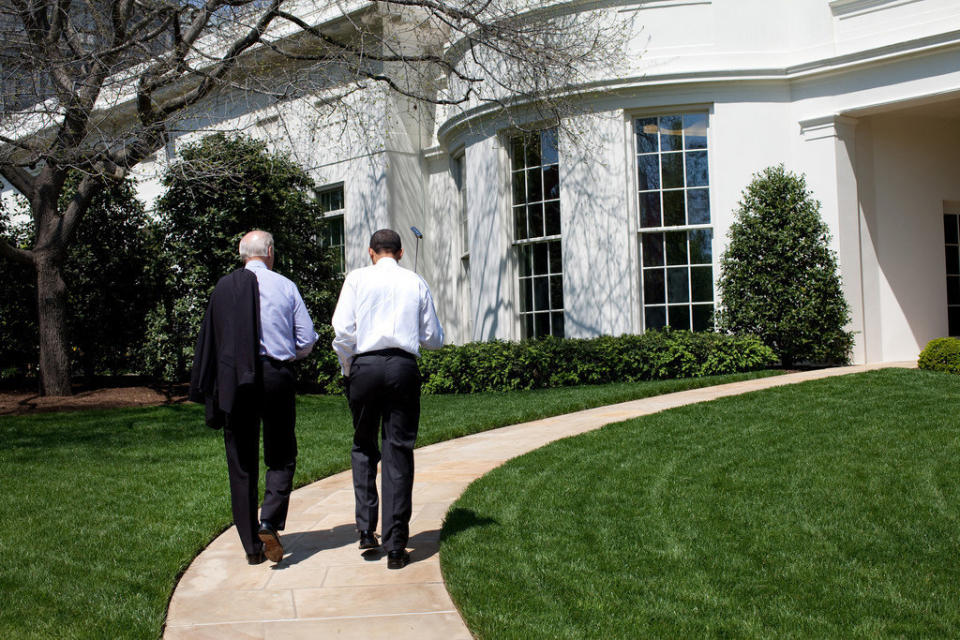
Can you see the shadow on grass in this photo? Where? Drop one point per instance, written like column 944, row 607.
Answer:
column 459, row 520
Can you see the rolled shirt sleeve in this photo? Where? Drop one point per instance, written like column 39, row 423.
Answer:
column 431, row 333
column 345, row 326
column 303, row 332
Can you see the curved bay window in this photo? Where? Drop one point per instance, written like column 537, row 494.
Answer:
column 535, row 180
column 676, row 235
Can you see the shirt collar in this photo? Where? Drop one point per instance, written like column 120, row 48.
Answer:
column 255, row 264
column 386, row 261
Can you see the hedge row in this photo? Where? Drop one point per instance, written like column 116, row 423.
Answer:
column 554, row 362
column 941, row 354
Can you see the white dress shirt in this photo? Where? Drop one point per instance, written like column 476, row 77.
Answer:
column 384, row 306
column 286, row 330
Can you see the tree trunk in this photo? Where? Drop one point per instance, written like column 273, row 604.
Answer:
column 52, row 318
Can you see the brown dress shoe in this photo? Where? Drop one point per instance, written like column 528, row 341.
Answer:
column 272, row 548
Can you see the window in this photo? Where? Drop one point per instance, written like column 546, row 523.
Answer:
column 459, row 169
column 535, row 178
column 331, row 206
column 676, row 236
column 951, row 233
column 460, row 180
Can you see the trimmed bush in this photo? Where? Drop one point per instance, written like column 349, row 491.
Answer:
column 941, row 354
column 557, row 362
column 778, row 276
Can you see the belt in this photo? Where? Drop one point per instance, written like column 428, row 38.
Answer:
column 275, row 362
column 387, row 352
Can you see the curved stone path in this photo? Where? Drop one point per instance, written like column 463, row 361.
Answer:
column 323, row 587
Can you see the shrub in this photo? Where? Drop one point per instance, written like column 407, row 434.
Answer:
column 220, row 188
column 558, row 362
column 941, row 354
column 779, row 277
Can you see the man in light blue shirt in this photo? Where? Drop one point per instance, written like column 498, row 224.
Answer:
column 286, row 334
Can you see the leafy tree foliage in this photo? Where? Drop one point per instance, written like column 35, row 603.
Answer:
column 221, row 188
column 779, row 277
column 107, row 270
column 18, row 311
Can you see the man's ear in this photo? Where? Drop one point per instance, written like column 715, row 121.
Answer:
column 398, row 255
column 373, row 255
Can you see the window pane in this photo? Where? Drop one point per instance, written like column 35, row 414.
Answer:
column 534, row 185
column 654, row 317
column 541, row 293
column 953, row 320
column 520, row 223
column 551, row 182
column 516, row 152
column 552, row 216
column 556, row 292
column 519, row 188
column 680, row 317
column 648, row 172
column 950, row 229
column 673, row 209
column 526, row 261
column 671, row 128
column 532, row 148
column 540, row 258
column 702, row 317
column 701, row 284
column 542, row 324
column 695, row 130
column 650, row 209
column 528, row 326
column 557, row 318
column 953, row 260
column 535, row 219
column 701, row 249
column 672, row 170
column 654, row 291
column 953, row 290
column 549, row 149
column 653, row 249
column 646, row 132
column 696, row 168
column 678, row 286
column 698, row 206
column 526, row 295
column 556, row 258
column 676, row 242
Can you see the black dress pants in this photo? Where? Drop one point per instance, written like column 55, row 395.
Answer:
column 384, row 395
column 273, row 401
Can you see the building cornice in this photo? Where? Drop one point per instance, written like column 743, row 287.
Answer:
column 848, row 8
column 803, row 71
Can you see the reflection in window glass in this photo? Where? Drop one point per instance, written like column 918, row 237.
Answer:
column 535, row 184
column 676, row 240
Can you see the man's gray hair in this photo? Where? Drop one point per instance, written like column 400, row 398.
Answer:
column 256, row 244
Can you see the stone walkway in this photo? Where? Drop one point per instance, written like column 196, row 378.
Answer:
column 323, row 587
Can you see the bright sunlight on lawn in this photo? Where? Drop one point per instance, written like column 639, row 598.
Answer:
column 102, row 510
column 827, row 509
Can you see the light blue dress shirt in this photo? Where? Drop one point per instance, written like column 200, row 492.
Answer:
column 286, row 330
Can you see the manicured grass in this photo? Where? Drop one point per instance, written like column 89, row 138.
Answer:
column 102, row 510
column 829, row 509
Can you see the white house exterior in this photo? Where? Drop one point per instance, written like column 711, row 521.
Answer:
column 619, row 223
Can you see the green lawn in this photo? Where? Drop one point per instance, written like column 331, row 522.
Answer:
column 829, row 509
column 102, row 510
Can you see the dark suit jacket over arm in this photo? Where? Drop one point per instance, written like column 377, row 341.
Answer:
column 226, row 357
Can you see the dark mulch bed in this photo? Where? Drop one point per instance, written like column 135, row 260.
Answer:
column 104, row 394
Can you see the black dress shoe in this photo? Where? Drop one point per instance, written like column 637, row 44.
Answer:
column 256, row 558
column 398, row 559
column 272, row 548
column 368, row 540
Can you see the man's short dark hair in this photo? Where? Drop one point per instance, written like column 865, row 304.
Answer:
column 385, row 241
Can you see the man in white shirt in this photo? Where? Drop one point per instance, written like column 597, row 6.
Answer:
column 384, row 315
